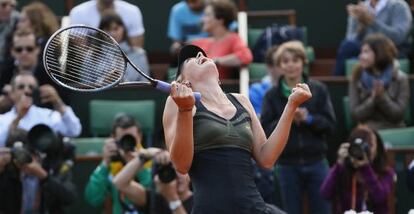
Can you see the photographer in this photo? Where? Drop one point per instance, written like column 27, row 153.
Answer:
column 172, row 196
column 120, row 149
column 361, row 179
column 25, row 114
column 35, row 176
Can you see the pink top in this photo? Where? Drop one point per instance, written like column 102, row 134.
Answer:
column 231, row 44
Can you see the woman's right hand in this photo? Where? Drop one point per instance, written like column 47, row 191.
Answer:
column 183, row 96
column 300, row 94
column 343, row 153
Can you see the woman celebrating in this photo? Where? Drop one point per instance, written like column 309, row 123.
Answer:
column 214, row 139
column 379, row 90
column 360, row 181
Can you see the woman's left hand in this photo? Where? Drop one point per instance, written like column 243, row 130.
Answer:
column 300, row 94
column 183, row 96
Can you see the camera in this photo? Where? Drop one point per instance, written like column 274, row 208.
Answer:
column 358, row 147
column 20, row 154
column 166, row 172
column 127, row 143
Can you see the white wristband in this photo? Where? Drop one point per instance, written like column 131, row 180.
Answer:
column 174, row 204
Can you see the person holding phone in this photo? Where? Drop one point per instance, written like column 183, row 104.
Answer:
column 25, row 114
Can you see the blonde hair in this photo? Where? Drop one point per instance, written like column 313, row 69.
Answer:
column 43, row 20
column 294, row 47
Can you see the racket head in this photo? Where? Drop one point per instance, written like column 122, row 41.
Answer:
column 83, row 58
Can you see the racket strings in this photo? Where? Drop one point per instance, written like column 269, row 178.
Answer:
column 92, row 58
column 84, row 58
column 79, row 60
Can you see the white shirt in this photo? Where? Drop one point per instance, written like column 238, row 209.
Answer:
column 67, row 124
column 378, row 7
column 87, row 13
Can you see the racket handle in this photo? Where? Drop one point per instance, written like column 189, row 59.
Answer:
column 166, row 87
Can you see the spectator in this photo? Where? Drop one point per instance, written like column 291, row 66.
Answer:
column 410, row 176
column 378, row 90
column 112, row 24
column 100, row 186
column 172, row 195
column 302, row 165
column 390, row 17
column 176, row 195
column 258, row 90
column 35, row 184
column 8, row 19
column 89, row 13
column 27, row 55
column 361, row 178
column 25, row 52
column 25, row 114
column 40, row 19
column 185, row 23
column 224, row 46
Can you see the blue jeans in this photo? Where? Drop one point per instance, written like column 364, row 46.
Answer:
column 297, row 179
column 348, row 49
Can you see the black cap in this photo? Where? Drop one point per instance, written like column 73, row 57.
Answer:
column 187, row 51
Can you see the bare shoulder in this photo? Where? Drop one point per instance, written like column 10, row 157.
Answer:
column 244, row 101
column 241, row 98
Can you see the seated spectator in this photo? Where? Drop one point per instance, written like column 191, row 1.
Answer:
column 172, row 195
column 302, row 166
column 31, row 183
column 8, row 19
column 184, row 23
column 378, row 90
column 40, row 19
column 25, row 114
column 27, row 56
column 390, row 17
column 225, row 47
column 113, row 25
column 26, row 53
column 259, row 89
column 89, row 13
column 117, row 152
column 361, row 178
column 410, row 176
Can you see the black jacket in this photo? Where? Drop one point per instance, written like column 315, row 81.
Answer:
column 57, row 190
column 307, row 142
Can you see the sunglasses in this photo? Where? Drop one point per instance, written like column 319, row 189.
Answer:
column 23, row 86
column 28, row 49
column 6, row 3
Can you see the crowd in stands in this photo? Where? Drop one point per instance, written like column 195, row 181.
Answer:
column 142, row 180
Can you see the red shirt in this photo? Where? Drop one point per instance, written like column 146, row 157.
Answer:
column 230, row 44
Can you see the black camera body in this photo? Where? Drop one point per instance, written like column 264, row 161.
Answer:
column 44, row 143
column 358, row 148
column 127, row 143
column 20, row 154
column 166, row 172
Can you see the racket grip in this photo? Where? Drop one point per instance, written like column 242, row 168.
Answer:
column 166, row 87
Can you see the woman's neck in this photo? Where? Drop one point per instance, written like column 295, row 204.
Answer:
column 219, row 33
column 211, row 93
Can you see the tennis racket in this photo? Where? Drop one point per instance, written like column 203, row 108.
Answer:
column 87, row 59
